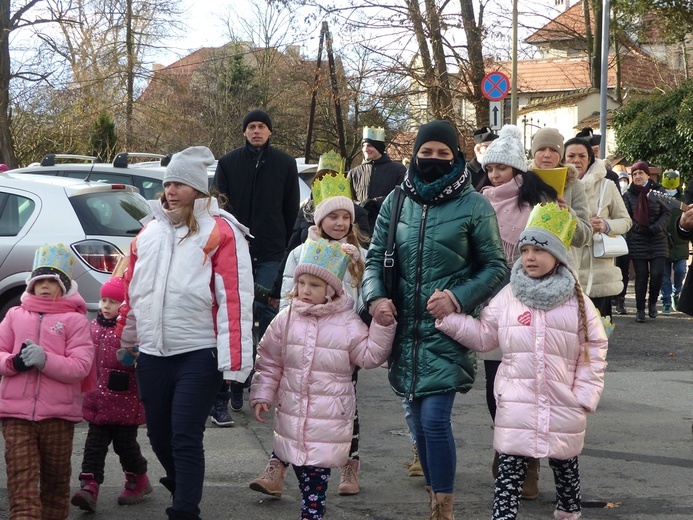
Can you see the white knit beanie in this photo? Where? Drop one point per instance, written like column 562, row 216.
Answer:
column 190, row 167
column 507, row 149
column 331, row 204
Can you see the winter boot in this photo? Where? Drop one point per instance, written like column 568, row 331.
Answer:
column 271, row 481
column 621, row 306
column 431, row 498
column 652, row 310
column 349, row 481
column 640, row 316
column 530, row 489
column 220, row 413
column 565, row 515
column 88, row 493
column 169, row 484
column 442, row 509
column 415, row 469
column 136, row 488
column 175, row 514
column 236, row 391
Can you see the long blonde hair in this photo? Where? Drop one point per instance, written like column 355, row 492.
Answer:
column 188, row 212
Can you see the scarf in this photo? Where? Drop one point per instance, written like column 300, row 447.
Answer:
column 544, row 293
column 174, row 216
column 642, row 209
column 105, row 322
column 511, row 218
column 447, row 187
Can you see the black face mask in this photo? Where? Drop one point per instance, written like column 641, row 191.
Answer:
column 433, row 169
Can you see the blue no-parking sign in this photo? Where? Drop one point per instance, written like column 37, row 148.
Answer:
column 495, row 86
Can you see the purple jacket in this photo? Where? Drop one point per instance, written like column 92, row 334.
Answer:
column 61, row 327
column 117, row 403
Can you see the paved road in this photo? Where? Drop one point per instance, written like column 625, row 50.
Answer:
column 638, row 451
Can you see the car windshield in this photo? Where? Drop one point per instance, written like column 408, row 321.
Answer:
column 110, row 213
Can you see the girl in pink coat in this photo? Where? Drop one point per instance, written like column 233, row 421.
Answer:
column 551, row 375
column 46, row 357
column 305, row 363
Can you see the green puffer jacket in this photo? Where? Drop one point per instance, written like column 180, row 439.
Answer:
column 453, row 245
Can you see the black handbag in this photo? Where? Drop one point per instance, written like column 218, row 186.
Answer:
column 389, row 261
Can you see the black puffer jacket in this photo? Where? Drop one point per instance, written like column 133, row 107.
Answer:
column 645, row 242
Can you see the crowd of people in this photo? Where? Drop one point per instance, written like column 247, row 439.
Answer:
column 415, row 268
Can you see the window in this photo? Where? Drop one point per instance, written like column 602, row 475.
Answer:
column 14, row 213
column 115, row 213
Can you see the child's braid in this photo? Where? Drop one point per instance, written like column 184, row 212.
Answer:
column 583, row 318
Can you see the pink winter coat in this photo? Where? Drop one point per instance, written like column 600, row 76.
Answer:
column 304, row 364
column 117, row 402
column 544, row 385
column 61, row 327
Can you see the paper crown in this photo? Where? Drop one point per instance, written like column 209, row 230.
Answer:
column 555, row 220
column 56, row 256
column 374, row 133
column 330, row 185
column 326, row 260
column 331, row 161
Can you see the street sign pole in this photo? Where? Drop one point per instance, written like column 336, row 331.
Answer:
column 495, row 87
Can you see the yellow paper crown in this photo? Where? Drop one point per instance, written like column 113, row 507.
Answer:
column 374, row 133
column 330, row 185
column 331, row 161
column 54, row 256
column 555, row 220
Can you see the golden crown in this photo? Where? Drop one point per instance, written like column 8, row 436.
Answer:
column 374, row 133
column 55, row 256
column 330, row 185
column 331, row 161
column 555, row 220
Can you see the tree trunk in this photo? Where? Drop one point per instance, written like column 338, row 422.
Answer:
column 476, row 71
column 596, row 61
column 7, row 154
column 425, row 77
column 588, row 34
column 442, row 108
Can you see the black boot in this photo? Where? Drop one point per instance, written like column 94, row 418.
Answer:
column 621, row 306
column 169, row 484
column 652, row 310
column 175, row 514
column 640, row 316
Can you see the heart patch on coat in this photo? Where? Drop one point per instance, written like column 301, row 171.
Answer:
column 525, row 318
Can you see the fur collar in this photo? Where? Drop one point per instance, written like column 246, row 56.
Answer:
column 542, row 293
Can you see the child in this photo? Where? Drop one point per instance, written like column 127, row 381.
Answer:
column 552, row 370
column 188, row 302
column 113, row 410
column 46, row 357
column 305, row 364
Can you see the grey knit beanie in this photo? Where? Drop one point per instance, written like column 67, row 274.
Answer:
column 507, row 149
column 190, row 167
column 547, row 138
column 547, row 241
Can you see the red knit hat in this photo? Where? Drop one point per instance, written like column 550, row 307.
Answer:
column 114, row 288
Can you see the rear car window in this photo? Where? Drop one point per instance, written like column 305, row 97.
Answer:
column 14, row 213
column 110, row 213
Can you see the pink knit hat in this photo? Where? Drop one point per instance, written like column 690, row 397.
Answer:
column 114, row 288
column 327, row 206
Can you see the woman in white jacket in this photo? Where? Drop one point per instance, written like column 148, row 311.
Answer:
column 189, row 295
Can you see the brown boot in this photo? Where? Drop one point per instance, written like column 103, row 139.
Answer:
column 442, row 509
column 349, row 481
column 415, row 469
column 530, row 489
column 271, row 481
column 431, row 499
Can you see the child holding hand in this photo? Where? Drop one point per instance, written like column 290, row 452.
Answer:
column 46, row 357
column 551, row 375
column 305, row 364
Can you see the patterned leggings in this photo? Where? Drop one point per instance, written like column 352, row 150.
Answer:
column 511, row 476
column 312, row 482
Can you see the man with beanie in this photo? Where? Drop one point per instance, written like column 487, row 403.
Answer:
column 261, row 183
column 376, row 176
column 483, row 137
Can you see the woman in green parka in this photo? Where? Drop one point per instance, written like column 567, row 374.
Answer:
column 449, row 258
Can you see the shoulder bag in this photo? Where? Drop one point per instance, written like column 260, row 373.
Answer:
column 390, row 260
column 603, row 244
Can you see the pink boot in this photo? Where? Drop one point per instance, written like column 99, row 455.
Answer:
column 88, row 493
column 565, row 515
column 136, row 488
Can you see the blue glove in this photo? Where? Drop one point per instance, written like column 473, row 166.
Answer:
column 126, row 357
column 34, row 355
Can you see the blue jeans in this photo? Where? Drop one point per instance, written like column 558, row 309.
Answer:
column 679, row 268
column 178, row 392
column 409, row 420
column 434, row 440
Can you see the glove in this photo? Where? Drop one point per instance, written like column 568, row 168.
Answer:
column 128, row 356
column 18, row 362
column 34, row 355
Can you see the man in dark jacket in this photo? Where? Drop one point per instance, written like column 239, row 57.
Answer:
column 261, row 183
column 483, row 137
column 376, row 176
column 685, row 231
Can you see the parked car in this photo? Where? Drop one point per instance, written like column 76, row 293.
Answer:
column 96, row 221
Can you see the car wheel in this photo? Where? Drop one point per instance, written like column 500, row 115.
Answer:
column 13, row 301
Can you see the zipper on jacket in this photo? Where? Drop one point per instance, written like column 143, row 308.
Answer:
column 417, row 290
column 38, row 377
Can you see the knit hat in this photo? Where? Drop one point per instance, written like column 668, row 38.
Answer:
column 640, row 165
column 547, row 138
column 190, row 167
column 113, row 288
column 484, row 135
column 437, row 130
column 257, row 115
column 375, row 136
column 550, row 228
column 507, row 149
column 327, row 206
column 588, row 135
column 326, row 260
column 52, row 261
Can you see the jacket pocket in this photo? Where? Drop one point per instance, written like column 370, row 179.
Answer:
column 118, row 381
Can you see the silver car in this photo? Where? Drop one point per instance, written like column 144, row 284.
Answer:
column 96, row 221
